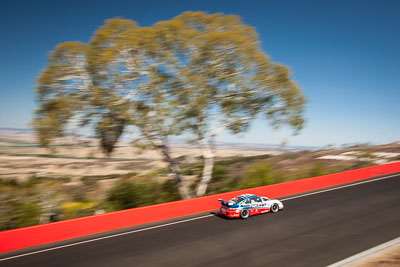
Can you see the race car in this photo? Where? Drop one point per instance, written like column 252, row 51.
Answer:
column 246, row 205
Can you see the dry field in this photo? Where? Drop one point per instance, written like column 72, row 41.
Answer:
column 22, row 157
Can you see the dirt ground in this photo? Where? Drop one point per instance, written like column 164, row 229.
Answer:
column 21, row 157
column 386, row 258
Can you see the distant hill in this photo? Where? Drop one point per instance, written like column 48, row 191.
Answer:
column 16, row 130
column 228, row 145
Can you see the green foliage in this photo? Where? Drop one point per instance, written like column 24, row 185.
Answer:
column 32, row 181
column 242, row 159
column 26, row 214
column 9, row 182
column 141, row 192
column 221, row 181
column 259, row 175
column 167, row 192
column 192, row 169
column 70, row 210
column 196, row 168
column 220, row 176
column 317, row 170
column 92, row 179
column 223, row 178
column 364, row 164
column 16, row 214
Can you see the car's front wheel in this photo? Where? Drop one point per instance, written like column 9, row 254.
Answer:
column 275, row 208
column 244, row 214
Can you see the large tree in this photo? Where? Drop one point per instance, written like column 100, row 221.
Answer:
column 225, row 80
column 197, row 73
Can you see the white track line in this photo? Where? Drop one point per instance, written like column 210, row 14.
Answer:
column 106, row 237
column 367, row 253
column 182, row 221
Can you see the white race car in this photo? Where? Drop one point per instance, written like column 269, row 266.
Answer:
column 246, row 205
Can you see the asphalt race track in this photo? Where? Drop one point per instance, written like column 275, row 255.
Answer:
column 313, row 230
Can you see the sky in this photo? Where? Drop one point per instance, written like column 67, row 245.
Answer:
column 343, row 54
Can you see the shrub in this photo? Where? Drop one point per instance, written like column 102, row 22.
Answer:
column 9, row 182
column 72, row 210
column 33, row 180
column 141, row 192
column 216, row 184
column 317, row 170
column 259, row 175
column 167, row 192
column 123, row 195
column 26, row 214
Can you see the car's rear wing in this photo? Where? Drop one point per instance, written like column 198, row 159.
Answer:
column 223, row 202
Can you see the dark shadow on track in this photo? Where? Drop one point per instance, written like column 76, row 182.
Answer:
column 217, row 214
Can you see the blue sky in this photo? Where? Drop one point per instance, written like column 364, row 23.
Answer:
column 344, row 54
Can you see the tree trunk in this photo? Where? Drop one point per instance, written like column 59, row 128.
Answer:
column 182, row 187
column 47, row 207
column 208, row 161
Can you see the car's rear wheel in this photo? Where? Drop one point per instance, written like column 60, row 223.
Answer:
column 244, row 214
column 275, row 208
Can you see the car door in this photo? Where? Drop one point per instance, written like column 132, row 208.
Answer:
column 264, row 205
column 267, row 202
column 258, row 205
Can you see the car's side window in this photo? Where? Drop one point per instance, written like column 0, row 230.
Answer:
column 255, row 200
column 248, row 201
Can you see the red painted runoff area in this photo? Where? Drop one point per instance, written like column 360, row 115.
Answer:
column 63, row 230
